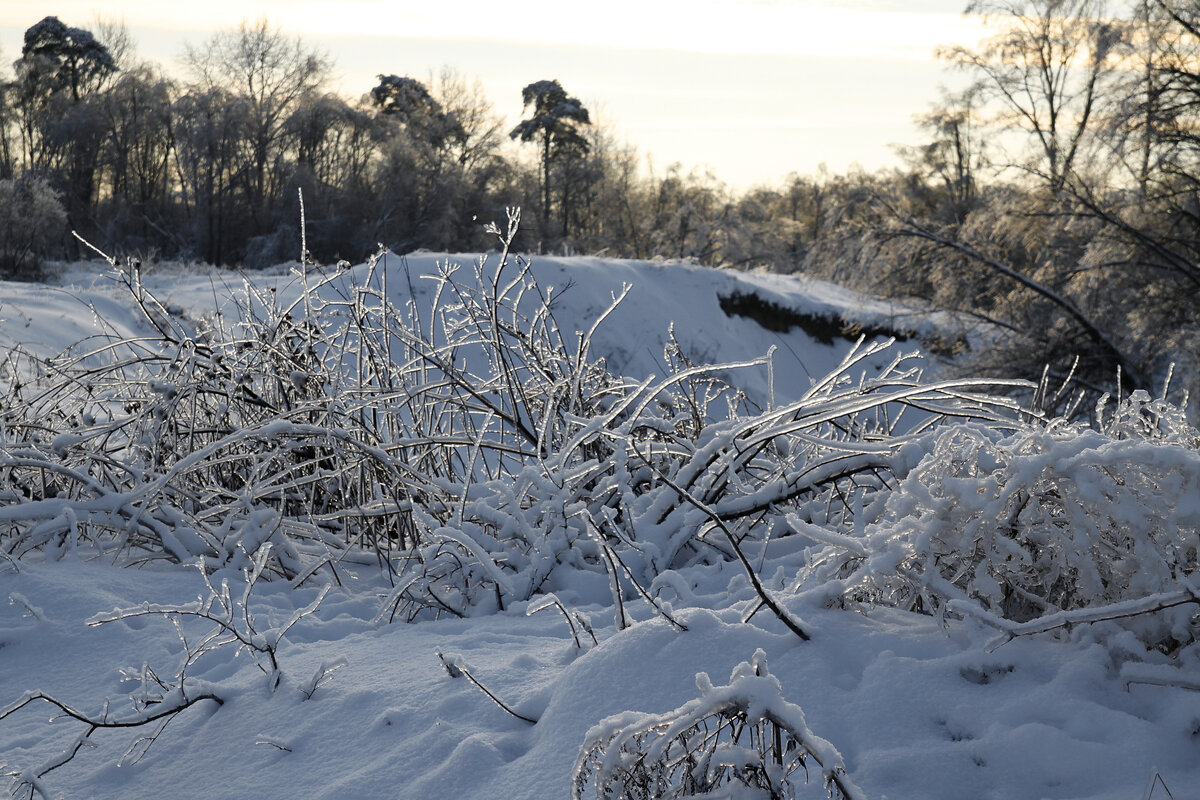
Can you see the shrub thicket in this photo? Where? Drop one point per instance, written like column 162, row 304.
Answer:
column 481, row 457
column 472, row 447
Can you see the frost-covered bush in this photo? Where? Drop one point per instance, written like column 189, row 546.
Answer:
column 471, row 447
column 740, row 741
column 1031, row 526
column 31, row 219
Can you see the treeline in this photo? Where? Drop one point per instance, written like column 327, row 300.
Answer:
column 1056, row 198
column 207, row 166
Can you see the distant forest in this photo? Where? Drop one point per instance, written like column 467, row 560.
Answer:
column 1055, row 198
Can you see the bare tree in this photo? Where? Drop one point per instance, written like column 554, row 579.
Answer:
column 8, row 123
column 954, row 156
column 136, row 156
column 210, row 126
column 270, row 72
column 115, row 37
column 1047, row 68
column 31, row 218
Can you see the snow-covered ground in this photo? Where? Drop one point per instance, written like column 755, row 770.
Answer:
column 90, row 302
column 917, row 707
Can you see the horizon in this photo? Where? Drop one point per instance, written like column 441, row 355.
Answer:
column 752, row 91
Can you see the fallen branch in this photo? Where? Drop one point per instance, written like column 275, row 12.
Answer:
column 164, row 710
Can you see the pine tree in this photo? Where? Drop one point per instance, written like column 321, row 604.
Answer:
column 556, row 119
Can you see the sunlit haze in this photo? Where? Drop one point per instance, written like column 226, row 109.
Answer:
column 753, row 90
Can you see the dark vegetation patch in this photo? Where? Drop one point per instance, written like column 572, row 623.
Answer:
column 827, row 328
column 822, row 327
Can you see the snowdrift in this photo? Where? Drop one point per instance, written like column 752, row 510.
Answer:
column 580, row 483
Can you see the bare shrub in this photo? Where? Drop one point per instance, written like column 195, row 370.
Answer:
column 742, row 740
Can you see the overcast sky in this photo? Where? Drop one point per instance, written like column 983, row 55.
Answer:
column 754, row 89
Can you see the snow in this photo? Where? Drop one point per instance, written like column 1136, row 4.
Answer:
column 916, row 707
column 915, row 711
column 581, row 289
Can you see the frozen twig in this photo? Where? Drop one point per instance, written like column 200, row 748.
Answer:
column 457, row 668
column 779, row 611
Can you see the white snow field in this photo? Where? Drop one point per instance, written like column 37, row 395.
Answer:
column 916, row 680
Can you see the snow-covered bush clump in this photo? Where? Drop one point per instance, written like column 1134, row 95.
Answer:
column 474, row 449
column 1046, row 526
column 742, row 741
